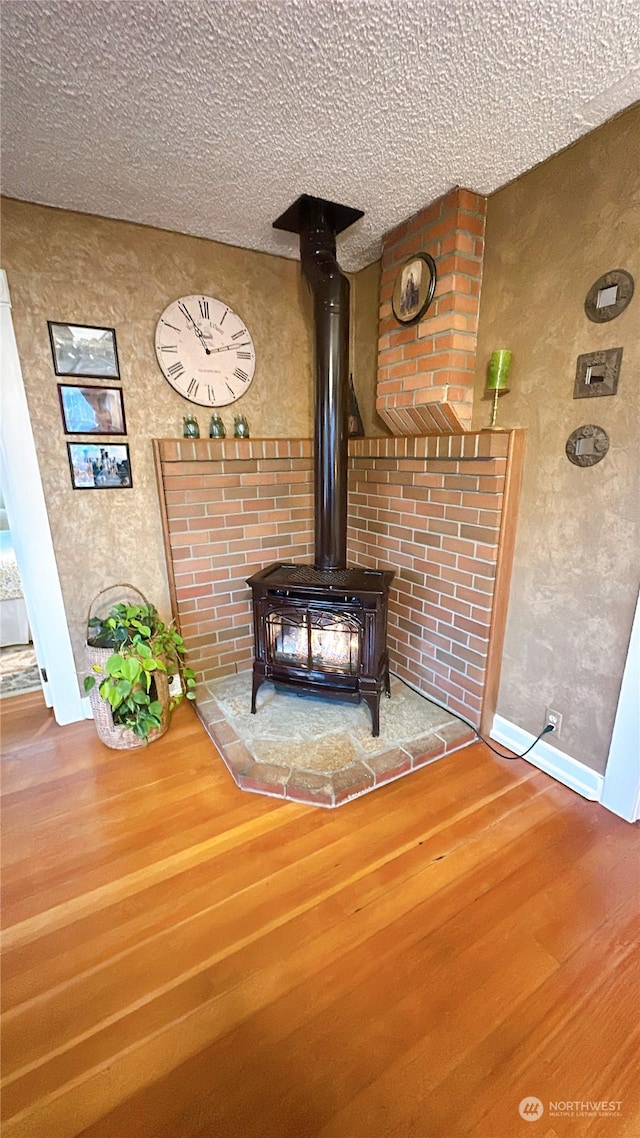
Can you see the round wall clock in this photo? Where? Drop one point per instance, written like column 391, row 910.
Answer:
column 205, row 350
column 414, row 287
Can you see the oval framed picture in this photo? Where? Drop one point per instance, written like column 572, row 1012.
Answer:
column 414, row 287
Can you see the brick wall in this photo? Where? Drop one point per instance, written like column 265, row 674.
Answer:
column 426, row 370
column 229, row 507
column 433, row 509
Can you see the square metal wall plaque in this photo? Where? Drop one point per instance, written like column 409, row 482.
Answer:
column 597, row 373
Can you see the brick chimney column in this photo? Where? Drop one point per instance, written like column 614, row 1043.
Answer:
column 426, row 370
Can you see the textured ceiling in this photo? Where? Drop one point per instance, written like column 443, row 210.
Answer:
column 210, row 116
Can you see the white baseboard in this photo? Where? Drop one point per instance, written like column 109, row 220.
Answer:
column 562, row 767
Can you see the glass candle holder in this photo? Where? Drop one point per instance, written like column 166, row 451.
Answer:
column 216, row 427
column 498, row 374
column 240, row 427
column 497, row 380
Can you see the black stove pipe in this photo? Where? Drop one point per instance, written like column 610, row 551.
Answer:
column 330, row 290
column 317, row 222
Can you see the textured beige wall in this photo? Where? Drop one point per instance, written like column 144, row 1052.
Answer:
column 365, row 297
column 550, row 235
column 72, row 267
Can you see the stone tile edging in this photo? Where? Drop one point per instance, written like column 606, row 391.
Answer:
column 326, row 789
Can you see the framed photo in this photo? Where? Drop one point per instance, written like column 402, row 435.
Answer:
column 99, row 466
column 92, row 410
column 79, row 349
column 414, row 287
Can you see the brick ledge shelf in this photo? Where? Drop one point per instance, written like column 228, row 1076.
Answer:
column 197, row 450
column 470, row 445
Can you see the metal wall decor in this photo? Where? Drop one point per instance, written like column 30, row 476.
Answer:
column 597, row 373
column 414, row 287
column 587, row 445
column 609, row 296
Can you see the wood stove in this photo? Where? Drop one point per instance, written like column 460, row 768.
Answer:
column 322, row 631
column 323, row 628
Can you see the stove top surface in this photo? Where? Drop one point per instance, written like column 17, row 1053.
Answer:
column 282, row 576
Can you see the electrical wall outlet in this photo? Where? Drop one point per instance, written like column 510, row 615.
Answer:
column 553, row 718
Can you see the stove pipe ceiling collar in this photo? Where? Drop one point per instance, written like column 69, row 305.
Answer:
column 317, row 222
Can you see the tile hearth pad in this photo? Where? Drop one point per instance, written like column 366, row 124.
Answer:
column 321, row 751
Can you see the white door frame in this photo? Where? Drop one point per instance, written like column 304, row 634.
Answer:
column 621, row 787
column 31, row 533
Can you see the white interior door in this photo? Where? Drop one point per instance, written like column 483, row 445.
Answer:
column 31, row 534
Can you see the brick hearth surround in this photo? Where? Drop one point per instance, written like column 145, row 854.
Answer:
column 426, row 371
column 440, row 511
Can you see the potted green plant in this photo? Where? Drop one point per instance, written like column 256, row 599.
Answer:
column 133, row 656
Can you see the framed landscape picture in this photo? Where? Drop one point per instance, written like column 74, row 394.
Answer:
column 99, row 466
column 82, row 350
column 92, row 410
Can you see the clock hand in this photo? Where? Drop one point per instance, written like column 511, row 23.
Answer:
column 201, row 339
column 185, row 312
column 200, row 336
column 228, row 347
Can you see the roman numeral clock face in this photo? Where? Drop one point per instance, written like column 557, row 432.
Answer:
column 205, row 351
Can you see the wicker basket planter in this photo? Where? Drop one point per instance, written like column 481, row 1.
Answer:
column 113, row 734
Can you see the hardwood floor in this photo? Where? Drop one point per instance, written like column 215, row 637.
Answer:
column 183, row 959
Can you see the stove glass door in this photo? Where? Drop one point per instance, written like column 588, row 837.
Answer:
column 315, row 640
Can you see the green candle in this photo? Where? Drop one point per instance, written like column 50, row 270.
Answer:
column 499, row 365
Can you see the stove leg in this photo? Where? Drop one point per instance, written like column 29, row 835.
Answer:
column 255, row 685
column 372, row 700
